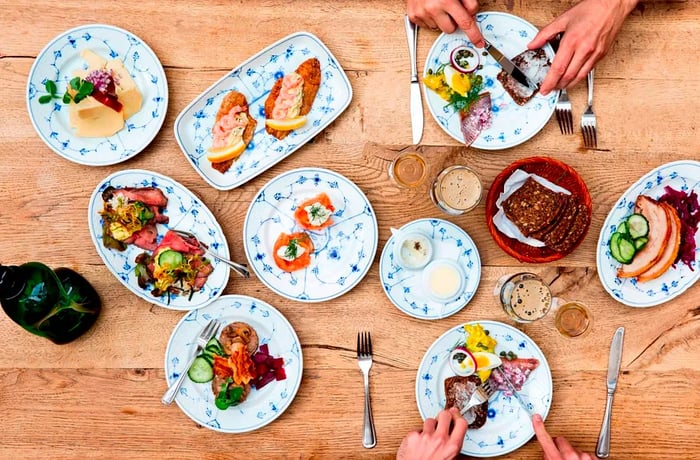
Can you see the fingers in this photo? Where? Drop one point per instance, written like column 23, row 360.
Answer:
column 559, row 66
column 565, row 449
column 546, row 33
column 465, row 21
column 429, row 425
column 445, row 23
column 459, row 427
column 443, row 423
column 548, row 447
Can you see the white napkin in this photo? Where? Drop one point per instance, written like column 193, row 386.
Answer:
column 513, row 183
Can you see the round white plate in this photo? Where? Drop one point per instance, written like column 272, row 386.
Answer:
column 511, row 124
column 680, row 175
column 508, row 426
column 403, row 287
column 185, row 212
column 57, row 62
column 261, row 406
column 343, row 252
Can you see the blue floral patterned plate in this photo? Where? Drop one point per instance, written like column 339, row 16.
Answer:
column 404, row 286
column 681, row 175
column 511, row 124
column 185, row 212
column 254, row 78
column 57, row 62
column 261, row 406
column 343, row 251
column 508, row 426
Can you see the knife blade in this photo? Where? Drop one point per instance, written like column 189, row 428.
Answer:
column 519, row 398
column 614, row 361
column 416, row 104
column 507, row 65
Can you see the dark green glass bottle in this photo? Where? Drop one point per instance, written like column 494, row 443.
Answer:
column 57, row 304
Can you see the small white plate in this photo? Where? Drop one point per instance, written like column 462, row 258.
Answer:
column 254, row 78
column 57, row 62
column 343, row 251
column 185, row 212
column 508, row 426
column 680, row 175
column 404, row 287
column 262, row 406
column 511, row 124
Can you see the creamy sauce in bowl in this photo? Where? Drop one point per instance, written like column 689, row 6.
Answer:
column 413, row 250
column 443, row 280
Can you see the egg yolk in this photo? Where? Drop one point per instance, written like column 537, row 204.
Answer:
column 460, row 83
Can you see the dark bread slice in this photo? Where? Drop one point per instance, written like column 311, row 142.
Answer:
column 458, row 390
column 533, row 63
column 533, row 206
column 310, row 71
column 577, row 229
column 232, row 99
column 570, row 202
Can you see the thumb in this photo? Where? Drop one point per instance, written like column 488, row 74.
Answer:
column 545, row 34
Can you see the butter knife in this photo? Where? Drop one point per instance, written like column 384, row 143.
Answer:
column 603, row 448
column 510, row 385
column 416, row 103
column 507, row 65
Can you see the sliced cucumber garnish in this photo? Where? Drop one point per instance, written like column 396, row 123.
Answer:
column 200, row 371
column 637, row 226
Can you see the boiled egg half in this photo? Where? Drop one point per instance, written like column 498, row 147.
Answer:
column 457, row 81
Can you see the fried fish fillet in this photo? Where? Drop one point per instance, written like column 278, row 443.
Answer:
column 310, row 72
column 233, row 99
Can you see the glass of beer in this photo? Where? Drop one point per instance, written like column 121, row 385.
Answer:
column 408, row 170
column 525, row 297
column 573, row 319
column 456, row 190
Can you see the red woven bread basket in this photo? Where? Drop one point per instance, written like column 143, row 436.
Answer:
column 554, row 171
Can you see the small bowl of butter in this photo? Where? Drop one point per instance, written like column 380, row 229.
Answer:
column 443, row 280
column 412, row 250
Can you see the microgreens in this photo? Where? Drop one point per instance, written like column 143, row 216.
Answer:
column 82, row 88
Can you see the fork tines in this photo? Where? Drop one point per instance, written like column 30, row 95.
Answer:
column 563, row 113
column 364, row 344
column 590, row 140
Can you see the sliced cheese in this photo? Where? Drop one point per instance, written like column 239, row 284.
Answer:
column 94, row 119
column 94, row 60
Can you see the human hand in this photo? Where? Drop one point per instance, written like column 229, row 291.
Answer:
column 436, row 441
column 557, row 449
column 588, row 31
column 447, row 15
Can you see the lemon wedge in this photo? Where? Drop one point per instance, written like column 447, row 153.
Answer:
column 217, row 155
column 287, row 124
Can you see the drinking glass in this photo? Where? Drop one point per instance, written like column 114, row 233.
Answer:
column 408, row 170
column 525, row 297
column 573, row 319
column 456, row 190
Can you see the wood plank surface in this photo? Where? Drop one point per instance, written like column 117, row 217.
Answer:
column 99, row 396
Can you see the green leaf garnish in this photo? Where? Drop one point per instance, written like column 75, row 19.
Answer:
column 45, row 99
column 66, row 98
column 292, row 249
column 227, row 398
column 75, row 83
column 317, row 211
column 50, row 86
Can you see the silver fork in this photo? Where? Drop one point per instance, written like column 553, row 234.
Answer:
column 482, row 394
column 209, row 331
column 588, row 121
column 364, row 360
column 563, row 112
column 241, row 269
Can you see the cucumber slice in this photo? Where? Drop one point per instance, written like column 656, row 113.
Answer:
column 627, row 249
column 615, row 247
column 200, row 371
column 170, row 258
column 640, row 242
column 213, row 346
column 637, row 226
column 622, row 228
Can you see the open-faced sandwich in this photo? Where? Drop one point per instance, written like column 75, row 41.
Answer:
column 176, row 267
column 232, row 131
column 315, row 213
column 130, row 216
column 291, row 98
column 533, row 63
column 234, row 364
column 292, row 251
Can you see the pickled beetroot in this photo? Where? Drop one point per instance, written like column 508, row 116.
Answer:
column 267, row 367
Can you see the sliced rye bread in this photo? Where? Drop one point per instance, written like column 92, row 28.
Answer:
column 458, row 391
column 533, row 206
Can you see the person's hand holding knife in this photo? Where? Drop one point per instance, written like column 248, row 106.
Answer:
column 447, row 15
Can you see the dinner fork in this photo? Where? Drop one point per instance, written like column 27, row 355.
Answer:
column 563, row 112
column 241, row 269
column 482, row 394
column 364, row 360
column 209, row 331
column 588, row 121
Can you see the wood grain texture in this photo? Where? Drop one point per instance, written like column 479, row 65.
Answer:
column 99, row 397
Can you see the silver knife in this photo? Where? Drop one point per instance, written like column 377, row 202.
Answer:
column 416, row 103
column 519, row 398
column 603, row 448
column 507, row 65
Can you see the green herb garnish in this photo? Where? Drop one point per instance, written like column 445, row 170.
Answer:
column 292, row 249
column 228, row 397
column 317, row 212
column 82, row 88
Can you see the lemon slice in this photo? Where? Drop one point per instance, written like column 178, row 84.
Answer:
column 217, row 155
column 286, row 124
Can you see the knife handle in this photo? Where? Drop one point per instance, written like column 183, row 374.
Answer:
column 602, row 450
column 412, row 37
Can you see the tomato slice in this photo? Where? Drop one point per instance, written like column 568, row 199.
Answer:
column 301, row 262
column 302, row 216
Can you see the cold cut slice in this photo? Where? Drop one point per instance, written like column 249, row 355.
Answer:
column 659, row 233
column 671, row 251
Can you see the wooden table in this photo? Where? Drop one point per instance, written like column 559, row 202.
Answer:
column 99, row 397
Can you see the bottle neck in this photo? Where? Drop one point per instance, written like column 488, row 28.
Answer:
column 11, row 283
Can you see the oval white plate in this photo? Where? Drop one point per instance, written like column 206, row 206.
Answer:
column 254, row 78
column 511, row 124
column 60, row 58
column 261, row 406
column 508, row 426
column 680, row 175
column 344, row 251
column 186, row 212
column 403, row 287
